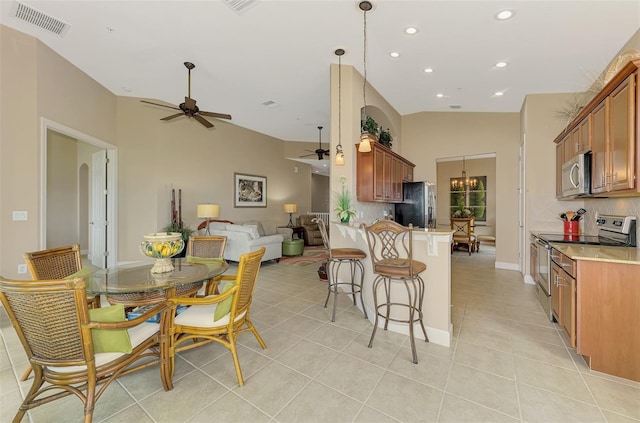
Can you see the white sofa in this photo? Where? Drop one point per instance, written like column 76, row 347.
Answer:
column 250, row 236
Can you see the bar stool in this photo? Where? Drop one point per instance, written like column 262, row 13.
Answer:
column 391, row 252
column 338, row 256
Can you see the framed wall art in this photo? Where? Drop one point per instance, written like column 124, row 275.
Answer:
column 250, row 190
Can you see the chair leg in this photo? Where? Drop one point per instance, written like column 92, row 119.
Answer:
column 236, row 363
column 359, row 264
column 376, row 282
column 26, row 374
column 255, row 333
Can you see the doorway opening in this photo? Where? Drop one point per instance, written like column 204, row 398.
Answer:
column 78, row 193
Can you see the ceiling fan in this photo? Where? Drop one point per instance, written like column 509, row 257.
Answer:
column 319, row 151
column 189, row 108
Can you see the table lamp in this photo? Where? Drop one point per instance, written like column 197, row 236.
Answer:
column 290, row 208
column 207, row 211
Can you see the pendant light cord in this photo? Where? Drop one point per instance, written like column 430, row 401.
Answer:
column 340, row 101
column 364, row 85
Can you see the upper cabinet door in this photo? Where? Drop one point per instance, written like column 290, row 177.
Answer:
column 621, row 136
column 599, row 149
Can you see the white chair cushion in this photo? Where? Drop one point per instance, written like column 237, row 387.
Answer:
column 138, row 335
column 201, row 316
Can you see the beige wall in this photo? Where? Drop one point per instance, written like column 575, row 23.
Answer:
column 36, row 83
column 62, row 192
column 429, row 136
column 319, row 193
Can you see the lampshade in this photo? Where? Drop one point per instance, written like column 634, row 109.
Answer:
column 290, row 208
column 339, row 158
column 205, row 211
column 365, row 145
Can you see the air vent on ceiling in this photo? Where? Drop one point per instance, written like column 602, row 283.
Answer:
column 240, row 6
column 34, row 17
column 455, row 106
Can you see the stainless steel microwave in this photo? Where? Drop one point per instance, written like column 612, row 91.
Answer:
column 576, row 176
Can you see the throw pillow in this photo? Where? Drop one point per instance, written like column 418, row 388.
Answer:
column 223, row 308
column 110, row 340
column 258, row 225
column 86, row 270
column 252, row 232
column 211, row 263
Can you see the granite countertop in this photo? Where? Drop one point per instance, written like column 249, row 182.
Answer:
column 624, row 255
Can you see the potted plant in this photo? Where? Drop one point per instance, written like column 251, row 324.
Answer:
column 344, row 203
column 385, row 138
column 370, row 126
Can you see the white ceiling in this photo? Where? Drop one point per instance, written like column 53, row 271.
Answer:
column 280, row 50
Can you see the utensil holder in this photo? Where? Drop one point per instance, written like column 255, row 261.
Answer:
column 572, row 227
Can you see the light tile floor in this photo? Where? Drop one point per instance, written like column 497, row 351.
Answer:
column 507, row 363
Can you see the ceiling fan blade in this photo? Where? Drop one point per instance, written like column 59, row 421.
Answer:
column 172, row 116
column 203, row 121
column 215, row 115
column 308, row 155
column 158, row 104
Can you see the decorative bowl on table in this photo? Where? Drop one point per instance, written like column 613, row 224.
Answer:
column 162, row 246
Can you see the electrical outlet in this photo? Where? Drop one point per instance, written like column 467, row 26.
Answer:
column 22, row 268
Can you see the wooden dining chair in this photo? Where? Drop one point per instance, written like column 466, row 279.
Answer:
column 70, row 353
column 463, row 233
column 56, row 263
column 207, row 246
column 216, row 318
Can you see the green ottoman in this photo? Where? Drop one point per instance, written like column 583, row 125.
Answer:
column 292, row 247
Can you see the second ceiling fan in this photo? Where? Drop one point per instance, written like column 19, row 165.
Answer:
column 320, row 152
column 189, row 108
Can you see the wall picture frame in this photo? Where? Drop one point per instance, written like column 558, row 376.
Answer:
column 249, row 190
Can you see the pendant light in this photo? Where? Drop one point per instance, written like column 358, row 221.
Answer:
column 339, row 153
column 463, row 182
column 365, row 145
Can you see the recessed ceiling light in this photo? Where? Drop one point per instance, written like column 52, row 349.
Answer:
column 110, row 29
column 502, row 65
column 324, row 165
column 504, row 15
column 412, row 30
column 126, row 89
column 394, row 54
column 498, row 93
column 428, row 70
column 439, row 95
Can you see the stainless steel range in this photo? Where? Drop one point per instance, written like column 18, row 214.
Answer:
column 613, row 231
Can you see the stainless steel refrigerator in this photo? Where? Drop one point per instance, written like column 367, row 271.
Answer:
column 418, row 205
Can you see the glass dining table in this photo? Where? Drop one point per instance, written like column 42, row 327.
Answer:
column 135, row 285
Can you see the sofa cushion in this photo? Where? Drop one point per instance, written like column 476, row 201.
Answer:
column 270, row 228
column 251, row 230
column 217, row 226
column 258, row 225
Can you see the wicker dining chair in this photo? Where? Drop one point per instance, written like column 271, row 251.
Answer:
column 196, row 326
column 463, row 229
column 56, row 263
column 52, row 321
column 207, row 246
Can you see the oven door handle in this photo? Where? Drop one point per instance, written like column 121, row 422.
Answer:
column 543, row 244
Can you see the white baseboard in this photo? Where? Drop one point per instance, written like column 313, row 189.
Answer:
column 529, row 279
column 507, row 266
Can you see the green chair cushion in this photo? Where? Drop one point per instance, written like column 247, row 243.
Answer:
column 223, row 308
column 110, row 340
column 212, row 263
column 86, row 270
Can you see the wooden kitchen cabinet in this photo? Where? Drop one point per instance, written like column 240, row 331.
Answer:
column 379, row 175
column 407, row 174
column 613, row 143
column 608, row 127
column 608, row 312
column 563, row 293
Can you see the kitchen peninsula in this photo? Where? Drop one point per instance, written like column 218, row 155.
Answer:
column 432, row 247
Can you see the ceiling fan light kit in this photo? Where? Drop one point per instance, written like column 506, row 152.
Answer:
column 189, row 108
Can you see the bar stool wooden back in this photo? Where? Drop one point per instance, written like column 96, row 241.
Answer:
column 391, row 252
column 337, row 257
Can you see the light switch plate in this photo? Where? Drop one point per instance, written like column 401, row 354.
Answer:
column 22, row 268
column 19, row 215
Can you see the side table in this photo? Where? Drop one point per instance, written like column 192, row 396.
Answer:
column 298, row 231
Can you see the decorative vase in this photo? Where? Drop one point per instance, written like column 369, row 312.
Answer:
column 162, row 246
column 345, row 219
